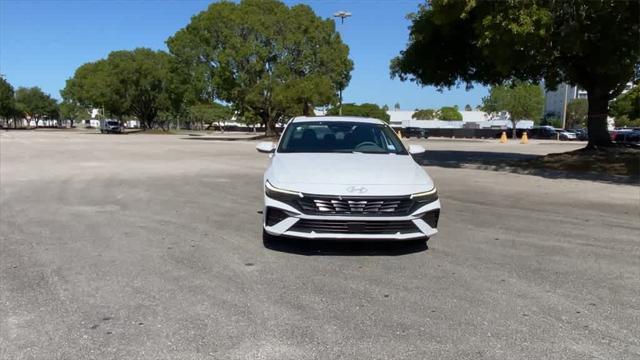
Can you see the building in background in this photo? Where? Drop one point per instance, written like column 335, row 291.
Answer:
column 470, row 120
column 554, row 101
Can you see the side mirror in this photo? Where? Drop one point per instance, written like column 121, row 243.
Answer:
column 266, row 147
column 416, row 149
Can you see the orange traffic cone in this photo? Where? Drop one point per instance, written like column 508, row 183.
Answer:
column 503, row 138
column 525, row 138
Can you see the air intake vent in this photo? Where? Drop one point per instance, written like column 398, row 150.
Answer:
column 355, row 227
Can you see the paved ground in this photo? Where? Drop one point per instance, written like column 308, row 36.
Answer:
column 148, row 247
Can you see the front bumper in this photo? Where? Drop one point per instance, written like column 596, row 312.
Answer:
column 291, row 222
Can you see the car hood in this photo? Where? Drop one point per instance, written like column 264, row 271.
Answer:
column 339, row 174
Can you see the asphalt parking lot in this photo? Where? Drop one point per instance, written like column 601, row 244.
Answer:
column 149, row 247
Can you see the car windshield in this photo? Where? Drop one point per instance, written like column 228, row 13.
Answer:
column 112, row 123
column 340, row 137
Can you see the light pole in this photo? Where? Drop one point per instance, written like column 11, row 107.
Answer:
column 342, row 15
column 564, row 105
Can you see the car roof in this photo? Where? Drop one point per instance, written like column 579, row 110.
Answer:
column 299, row 119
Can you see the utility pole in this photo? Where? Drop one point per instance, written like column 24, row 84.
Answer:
column 564, row 105
column 342, row 15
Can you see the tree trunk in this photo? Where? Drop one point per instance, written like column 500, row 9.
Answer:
column 306, row 109
column 271, row 128
column 597, row 119
column 514, row 134
column 269, row 123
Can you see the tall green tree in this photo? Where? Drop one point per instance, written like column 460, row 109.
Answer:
column 523, row 101
column 132, row 82
column 362, row 110
column 264, row 58
column 35, row 104
column 577, row 111
column 590, row 43
column 7, row 101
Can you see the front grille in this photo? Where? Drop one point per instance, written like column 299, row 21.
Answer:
column 355, row 227
column 334, row 205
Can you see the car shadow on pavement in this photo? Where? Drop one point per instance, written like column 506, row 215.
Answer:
column 509, row 162
column 346, row 248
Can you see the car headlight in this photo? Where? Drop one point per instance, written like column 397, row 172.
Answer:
column 281, row 194
column 426, row 197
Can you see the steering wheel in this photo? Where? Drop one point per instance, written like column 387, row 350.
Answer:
column 367, row 143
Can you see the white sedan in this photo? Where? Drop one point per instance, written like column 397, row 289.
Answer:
column 346, row 178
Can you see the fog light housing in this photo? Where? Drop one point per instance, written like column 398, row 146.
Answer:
column 431, row 218
column 274, row 216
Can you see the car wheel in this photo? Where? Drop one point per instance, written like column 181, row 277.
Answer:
column 267, row 239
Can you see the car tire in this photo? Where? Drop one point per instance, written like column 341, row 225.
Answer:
column 267, row 239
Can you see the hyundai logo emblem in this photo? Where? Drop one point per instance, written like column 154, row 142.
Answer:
column 357, row 189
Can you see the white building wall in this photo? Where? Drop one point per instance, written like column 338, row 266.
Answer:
column 403, row 118
column 554, row 100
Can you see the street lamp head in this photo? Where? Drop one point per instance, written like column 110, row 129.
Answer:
column 342, row 15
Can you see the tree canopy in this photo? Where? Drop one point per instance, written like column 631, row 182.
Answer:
column 34, row 103
column 626, row 108
column 7, row 102
column 362, row 110
column 133, row 82
column 264, row 58
column 449, row 113
column 424, row 114
column 590, row 43
column 523, row 101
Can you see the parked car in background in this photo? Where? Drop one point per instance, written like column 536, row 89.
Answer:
column 416, row 132
column 565, row 135
column 111, row 126
column 542, row 132
column 627, row 136
column 581, row 134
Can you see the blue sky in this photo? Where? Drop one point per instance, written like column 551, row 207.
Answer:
column 43, row 42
